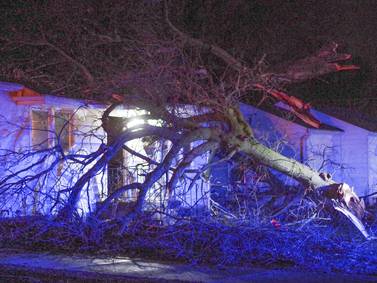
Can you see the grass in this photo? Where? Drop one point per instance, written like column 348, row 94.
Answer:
column 206, row 241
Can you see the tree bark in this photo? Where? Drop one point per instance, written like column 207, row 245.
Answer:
column 341, row 195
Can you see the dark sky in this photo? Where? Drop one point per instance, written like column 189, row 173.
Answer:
column 285, row 30
column 280, row 30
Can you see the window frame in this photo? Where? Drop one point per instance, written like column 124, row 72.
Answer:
column 69, row 124
column 34, row 131
column 51, row 127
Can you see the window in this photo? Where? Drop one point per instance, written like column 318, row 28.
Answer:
column 63, row 130
column 45, row 126
column 39, row 124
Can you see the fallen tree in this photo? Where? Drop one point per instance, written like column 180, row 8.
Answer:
column 168, row 73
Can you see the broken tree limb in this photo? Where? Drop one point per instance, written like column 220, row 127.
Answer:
column 342, row 196
column 242, row 140
column 325, row 61
column 230, row 60
column 103, row 158
column 298, row 106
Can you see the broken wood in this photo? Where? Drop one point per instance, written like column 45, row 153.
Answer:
column 325, row 61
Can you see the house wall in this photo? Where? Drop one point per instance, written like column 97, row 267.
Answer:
column 16, row 153
column 275, row 132
column 372, row 166
column 354, row 153
column 14, row 122
column 87, row 136
column 324, row 152
column 14, row 137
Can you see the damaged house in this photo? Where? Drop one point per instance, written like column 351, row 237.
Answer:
column 35, row 128
column 342, row 146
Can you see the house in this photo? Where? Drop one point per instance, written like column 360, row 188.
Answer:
column 36, row 128
column 32, row 124
column 347, row 149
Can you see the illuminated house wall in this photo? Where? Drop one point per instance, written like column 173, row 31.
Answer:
column 30, row 121
column 357, row 154
column 346, row 151
column 280, row 130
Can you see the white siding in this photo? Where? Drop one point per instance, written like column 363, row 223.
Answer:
column 275, row 132
column 323, row 152
column 354, row 153
column 348, row 150
column 372, row 164
column 15, row 136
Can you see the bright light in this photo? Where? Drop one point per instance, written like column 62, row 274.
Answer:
column 135, row 122
column 133, row 118
column 127, row 113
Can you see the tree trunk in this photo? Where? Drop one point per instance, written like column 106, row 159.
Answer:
column 341, row 195
column 283, row 164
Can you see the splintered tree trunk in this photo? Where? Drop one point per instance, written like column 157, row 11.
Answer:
column 341, row 195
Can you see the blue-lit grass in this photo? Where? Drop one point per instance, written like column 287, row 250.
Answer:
column 314, row 246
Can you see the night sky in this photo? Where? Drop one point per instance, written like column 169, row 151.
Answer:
column 287, row 30
column 280, row 30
